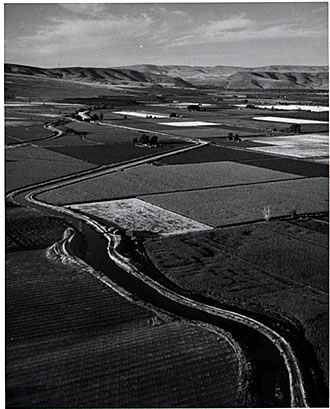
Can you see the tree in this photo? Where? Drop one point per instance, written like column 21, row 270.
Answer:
column 193, row 108
column 153, row 140
column 295, row 128
column 144, row 139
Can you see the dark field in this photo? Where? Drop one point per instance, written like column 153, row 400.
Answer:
column 88, row 344
column 32, row 164
column 17, row 134
column 276, row 268
column 212, row 154
column 215, row 154
column 106, row 154
column 31, row 229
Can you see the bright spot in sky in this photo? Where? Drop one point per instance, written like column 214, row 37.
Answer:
column 141, row 46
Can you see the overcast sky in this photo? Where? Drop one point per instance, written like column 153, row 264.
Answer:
column 108, row 35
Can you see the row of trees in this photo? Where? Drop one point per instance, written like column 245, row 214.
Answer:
column 146, row 140
column 232, row 137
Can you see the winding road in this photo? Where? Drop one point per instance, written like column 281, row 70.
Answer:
column 155, row 293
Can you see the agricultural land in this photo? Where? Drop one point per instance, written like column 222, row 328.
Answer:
column 167, row 236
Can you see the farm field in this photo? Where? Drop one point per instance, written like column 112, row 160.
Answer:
column 212, row 154
column 151, row 179
column 141, row 114
column 31, row 164
column 31, row 229
column 258, row 159
column 71, row 340
column 28, row 131
column 136, row 215
column 102, row 349
column 189, row 123
column 202, row 175
column 290, row 107
column 297, row 146
column 215, row 132
column 67, row 140
column 224, row 206
column 275, row 268
column 296, row 151
column 289, row 120
column 114, row 153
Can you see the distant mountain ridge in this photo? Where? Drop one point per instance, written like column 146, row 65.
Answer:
column 227, row 77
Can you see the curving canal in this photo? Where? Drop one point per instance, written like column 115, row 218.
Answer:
column 282, row 375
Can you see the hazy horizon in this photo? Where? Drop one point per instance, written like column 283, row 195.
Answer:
column 98, row 35
column 168, row 65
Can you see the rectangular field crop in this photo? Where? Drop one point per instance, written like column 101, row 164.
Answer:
column 225, row 206
column 141, row 114
column 307, row 151
column 298, row 146
column 288, row 120
column 134, row 214
column 150, row 179
column 189, row 123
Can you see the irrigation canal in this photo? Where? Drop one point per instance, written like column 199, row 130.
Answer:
column 279, row 380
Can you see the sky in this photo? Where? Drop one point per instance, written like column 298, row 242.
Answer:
column 204, row 34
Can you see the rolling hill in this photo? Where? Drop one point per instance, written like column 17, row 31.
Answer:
column 269, row 77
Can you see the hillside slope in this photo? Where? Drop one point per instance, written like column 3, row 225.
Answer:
column 270, row 77
column 273, row 76
column 98, row 75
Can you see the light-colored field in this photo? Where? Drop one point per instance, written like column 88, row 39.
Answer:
column 224, row 206
column 294, row 151
column 141, row 114
column 312, row 138
column 50, row 115
column 189, row 123
column 150, row 179
column 134, row 214
column 288, row 120
column 292, row 107
column 298, row 146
